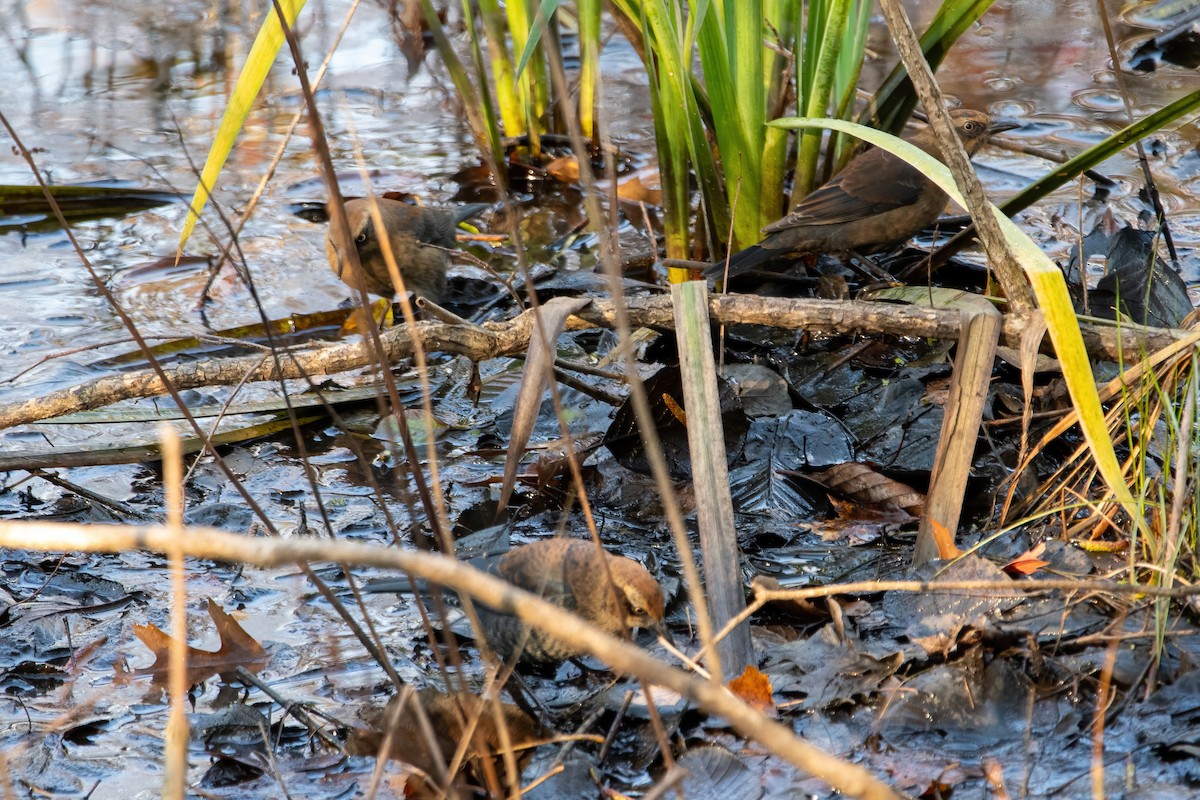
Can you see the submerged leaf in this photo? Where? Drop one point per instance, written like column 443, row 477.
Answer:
column 714, row 773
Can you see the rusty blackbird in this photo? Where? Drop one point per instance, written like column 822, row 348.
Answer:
column 419, row 238
column 571, row 573
column 877, row 199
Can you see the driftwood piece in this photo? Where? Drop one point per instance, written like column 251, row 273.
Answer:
column 960, row 430
column 495, row 339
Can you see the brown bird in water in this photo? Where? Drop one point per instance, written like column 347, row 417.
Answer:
column 419, row 239
column 877, row 199
column 570, row 573
column 451, row 717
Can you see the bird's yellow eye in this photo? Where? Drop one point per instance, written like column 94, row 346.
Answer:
column 971, row 127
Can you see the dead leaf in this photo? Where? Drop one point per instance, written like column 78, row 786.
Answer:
column 1028, row 562
column 238, row 649
column 944, row 540
column 82, row 656
column 451, row 717
column 858, row 524
column 754, row 688
column 551, row 319
column 862, row 484
column 642, row 186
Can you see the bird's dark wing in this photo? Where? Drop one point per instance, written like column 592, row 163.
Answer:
column 532, row 576
column 857, row 192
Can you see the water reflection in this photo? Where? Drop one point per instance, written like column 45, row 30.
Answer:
column 135, row 92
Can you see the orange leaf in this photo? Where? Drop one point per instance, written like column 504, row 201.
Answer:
column 675, row 408
column 754, row 688
column 1028, row 562
column 238, row 649
column 947, row 549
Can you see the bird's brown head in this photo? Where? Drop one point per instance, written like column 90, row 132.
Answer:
column 408, row 229
column 640, row 595
column 974, row 127
column 366, row 243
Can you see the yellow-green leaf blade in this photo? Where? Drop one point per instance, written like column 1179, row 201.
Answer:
column 254, row 73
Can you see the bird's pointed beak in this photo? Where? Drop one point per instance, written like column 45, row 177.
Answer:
column 1002, row 125
column 660, row 629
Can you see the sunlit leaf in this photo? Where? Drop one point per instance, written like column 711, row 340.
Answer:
column 1028, row 562
column 754, row 688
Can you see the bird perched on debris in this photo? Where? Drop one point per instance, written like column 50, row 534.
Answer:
column 419, row 238
column 876, row 199
column 572, row 573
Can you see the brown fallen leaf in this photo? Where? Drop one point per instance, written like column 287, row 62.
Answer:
column 238, row 649
column 82, row 656
column 863, row 485
column 754, row 688
column 856, row 523
column 642, row 186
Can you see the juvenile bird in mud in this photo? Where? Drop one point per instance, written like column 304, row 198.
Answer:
column 418, row 236
column 877, row 199
column 571, row 573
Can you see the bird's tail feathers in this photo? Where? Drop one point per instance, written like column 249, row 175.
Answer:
column 750, row 258
column 467, row 210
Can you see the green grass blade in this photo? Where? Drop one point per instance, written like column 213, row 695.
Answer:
column 816, row 104
column 589, row 62
column 746, row 58
column 462, row 82
column 1096, row 154
column 739, row 155
column 495, row 143
column 544, row 11
column 512, row 111
column 664, row 40
column 531, row 79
